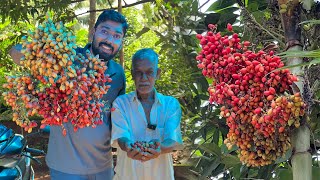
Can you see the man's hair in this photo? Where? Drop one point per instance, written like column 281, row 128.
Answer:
column 112, row 15
column 146, row 53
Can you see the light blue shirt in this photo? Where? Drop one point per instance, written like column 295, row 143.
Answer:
column 129, row 120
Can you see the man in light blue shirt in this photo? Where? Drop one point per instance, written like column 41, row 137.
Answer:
column 145, row 115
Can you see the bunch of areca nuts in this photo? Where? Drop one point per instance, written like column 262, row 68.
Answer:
column 143, row 146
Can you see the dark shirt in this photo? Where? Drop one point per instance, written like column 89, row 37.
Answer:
column 88, row 150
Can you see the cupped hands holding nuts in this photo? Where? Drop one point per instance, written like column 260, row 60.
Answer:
column 143, row 150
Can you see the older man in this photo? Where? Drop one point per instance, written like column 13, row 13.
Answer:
column 145, row 115
column 86, row 154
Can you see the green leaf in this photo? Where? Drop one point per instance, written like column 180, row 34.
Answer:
column 220, row 4
column 211, row 148
column 142, row 31
column 194, row 89
column 315, row 173
column 259, row 16
column 315, row 53
column 195, row 120
column 212, row 18
column 209, row 168
column 158, row 42
column 198, row 153
column 230, row 160
column 204, row 133
column 203, row 96
column 228, row 10
column 257, row 5
column 285, row 174
column 253, row 173
column 225, row 150
column 252, row 7
column 210, row 81
column 307, row 4
column 286, row 156
column 225, row 19
column 292, row 66
column 265, row 172
column 315, row 61
column 236, row 171
column 216, row 135
column 311, row 21
column 195, row 6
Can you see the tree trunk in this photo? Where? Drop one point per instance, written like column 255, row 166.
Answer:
column 92, row 19
column 300, row 138
column 121, row 54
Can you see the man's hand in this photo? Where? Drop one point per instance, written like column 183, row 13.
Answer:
column 152, row 153
column 133, row 153
column 136, row 154
column 15, row 53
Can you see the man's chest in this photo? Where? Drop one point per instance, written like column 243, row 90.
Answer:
column 142, row 115
column 116, row 86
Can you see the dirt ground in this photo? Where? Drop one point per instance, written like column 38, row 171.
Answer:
column 42, row 170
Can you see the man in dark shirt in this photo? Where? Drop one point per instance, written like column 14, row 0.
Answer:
column 86, row 154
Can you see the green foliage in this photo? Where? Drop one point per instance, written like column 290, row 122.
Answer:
column 9, row 35
column 2, row 81
column 81, row 37
column 221, row 5
column 19, row 10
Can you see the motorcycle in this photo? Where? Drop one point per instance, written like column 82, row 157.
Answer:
column 16, row 156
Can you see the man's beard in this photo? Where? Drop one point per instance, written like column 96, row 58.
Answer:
column 103, row 55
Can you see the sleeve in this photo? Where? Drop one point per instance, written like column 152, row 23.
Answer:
column 172, row 129
column 120, row 124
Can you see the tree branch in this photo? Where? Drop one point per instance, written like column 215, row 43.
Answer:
column 51, row 4
column 128, row 5
column 76, row 1
column 204, row 4
column 110, row 3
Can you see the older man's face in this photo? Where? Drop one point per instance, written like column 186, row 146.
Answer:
column 107, row 39
column 144, row 73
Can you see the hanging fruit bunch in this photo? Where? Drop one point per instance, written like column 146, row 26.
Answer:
column 254, row 96
column 61, row 86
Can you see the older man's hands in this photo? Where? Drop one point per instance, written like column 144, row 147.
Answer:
column 138, row 153
column 146, row 153
column 152, row 153
column 135, row 154
column 126, row 145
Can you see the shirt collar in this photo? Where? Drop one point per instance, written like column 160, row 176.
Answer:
column 157, row 98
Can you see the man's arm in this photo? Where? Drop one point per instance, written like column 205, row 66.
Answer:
column 120, row 132
column 167, row 146
column 124, row 144
column 15, row 53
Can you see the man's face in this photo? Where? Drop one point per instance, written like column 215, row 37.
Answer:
column 144, row 74
column 107, row 39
